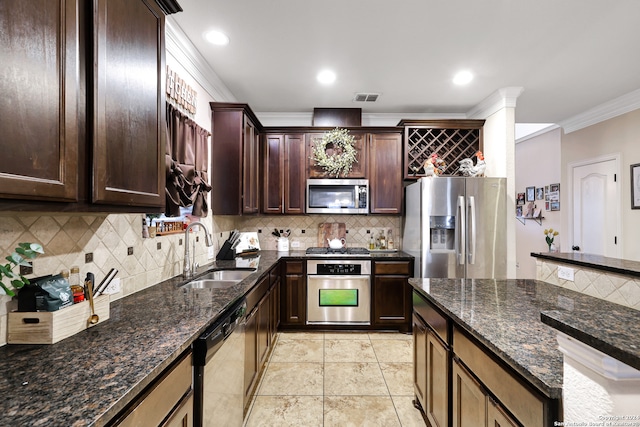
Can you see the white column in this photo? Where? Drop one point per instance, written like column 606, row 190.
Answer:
column 498, row 111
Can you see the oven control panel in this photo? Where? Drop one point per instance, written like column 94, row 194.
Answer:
column 339, row 269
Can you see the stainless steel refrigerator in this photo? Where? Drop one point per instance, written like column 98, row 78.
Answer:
column 455, row 227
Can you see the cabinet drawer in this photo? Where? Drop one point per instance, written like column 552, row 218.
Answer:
column 259, row 291
column 523, row 402
column 160, row 400
column 294, row 267
column 382, row 267
column 432, row 316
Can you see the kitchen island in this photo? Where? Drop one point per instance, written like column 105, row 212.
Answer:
column 503, row 318
column 89, row 378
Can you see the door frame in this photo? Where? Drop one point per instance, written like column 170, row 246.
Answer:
column 617, row 158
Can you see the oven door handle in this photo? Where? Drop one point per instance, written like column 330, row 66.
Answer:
column 338, row 277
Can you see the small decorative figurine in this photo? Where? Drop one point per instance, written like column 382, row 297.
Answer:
column 467, row 167
column 434, row 166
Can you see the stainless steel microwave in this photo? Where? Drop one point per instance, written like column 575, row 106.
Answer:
column 338, row 196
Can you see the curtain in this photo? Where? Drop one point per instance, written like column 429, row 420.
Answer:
column 186, row 164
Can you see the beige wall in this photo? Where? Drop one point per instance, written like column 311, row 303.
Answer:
column 618, row 135
column 538, row 164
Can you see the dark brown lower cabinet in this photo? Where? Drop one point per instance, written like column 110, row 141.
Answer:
column 392, row 295
column 293, row 294
column 431, row 373
column 459, row 382
column 250, row 356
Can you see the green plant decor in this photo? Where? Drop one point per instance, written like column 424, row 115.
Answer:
column 22, row 253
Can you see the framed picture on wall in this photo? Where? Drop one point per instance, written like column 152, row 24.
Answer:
column 539, row 193
column 635, row 186
column 520, row 199
column 531, row 194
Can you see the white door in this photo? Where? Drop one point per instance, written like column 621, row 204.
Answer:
column 596, row 208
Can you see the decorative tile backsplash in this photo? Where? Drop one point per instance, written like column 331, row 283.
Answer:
column 67, row 238
column 612, row 287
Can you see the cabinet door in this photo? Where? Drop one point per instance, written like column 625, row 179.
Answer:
column 294, row 176
column 274, row 160
column 128, row 109
column 391, row 300
column 437, row 399
column 498, row 417
column 420, row 360
column 274, row 316
column 469, row 400
column 385, row 177
column 182, row 416
column 39, row 104
column 251, row 156
column 264, row 310
column 250, row 355
column 359, row 168
column 293, row 304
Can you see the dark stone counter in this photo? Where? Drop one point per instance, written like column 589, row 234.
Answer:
column 90, row 377
column 596, row 262
column 517, row 321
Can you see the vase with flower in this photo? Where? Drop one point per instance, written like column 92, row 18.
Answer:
column 549, row 235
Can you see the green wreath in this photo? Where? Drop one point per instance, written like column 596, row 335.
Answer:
column 343, row 156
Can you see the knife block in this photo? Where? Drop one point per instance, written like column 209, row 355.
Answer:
column 226, row 253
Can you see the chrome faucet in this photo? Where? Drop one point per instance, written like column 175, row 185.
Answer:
column 189, row 268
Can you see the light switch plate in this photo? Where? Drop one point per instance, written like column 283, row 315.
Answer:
column 295, row 244
column 565, row 273
column 210, row 253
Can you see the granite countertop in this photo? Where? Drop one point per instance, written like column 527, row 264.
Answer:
column 90, row 377
column 597, row 262
column 517, row 320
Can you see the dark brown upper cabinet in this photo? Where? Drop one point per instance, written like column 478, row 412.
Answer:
column 284, row 174
column 39, row 45
column 385, row 173
column 128, row 103
column 83, row 113
column 235, row 157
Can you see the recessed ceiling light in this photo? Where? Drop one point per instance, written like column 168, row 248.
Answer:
column 217, row 38
column 326, row 77
column 462, row 78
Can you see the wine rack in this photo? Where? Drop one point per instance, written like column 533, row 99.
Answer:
column 451, row 140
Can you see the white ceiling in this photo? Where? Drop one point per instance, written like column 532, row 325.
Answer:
column 568, row 55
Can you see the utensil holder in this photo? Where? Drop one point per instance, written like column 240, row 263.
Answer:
column 226, row 253
column 283, row 244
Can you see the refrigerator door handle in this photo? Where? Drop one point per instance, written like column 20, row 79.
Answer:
column 471, row 210
column 461, row 227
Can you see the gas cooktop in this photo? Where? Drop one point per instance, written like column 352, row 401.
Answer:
column 337, row 252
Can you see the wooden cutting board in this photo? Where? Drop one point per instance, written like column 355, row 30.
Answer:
column 330, row 230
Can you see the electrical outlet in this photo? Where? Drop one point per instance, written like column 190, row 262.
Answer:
column 114, row 287
column 210, row 253
column 24, row 270
column 295, row 244
column 565, row 273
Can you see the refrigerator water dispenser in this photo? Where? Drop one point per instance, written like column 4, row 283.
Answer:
column 442, row 232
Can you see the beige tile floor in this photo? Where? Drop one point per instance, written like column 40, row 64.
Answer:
column 337, row 379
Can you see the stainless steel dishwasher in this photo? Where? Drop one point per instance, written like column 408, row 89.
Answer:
column 218, row 359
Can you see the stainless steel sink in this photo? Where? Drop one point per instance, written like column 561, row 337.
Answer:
column 210, row 284
column 236, row 275
column 218, row 279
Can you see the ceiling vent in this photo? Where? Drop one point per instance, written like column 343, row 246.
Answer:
column 366, row 97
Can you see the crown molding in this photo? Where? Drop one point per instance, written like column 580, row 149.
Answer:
column 180, row 47
column 270, row 119
column 616, row 107
column 501, row 98
column 537, row 133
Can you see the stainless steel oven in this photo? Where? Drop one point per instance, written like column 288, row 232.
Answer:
column 339, row 292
